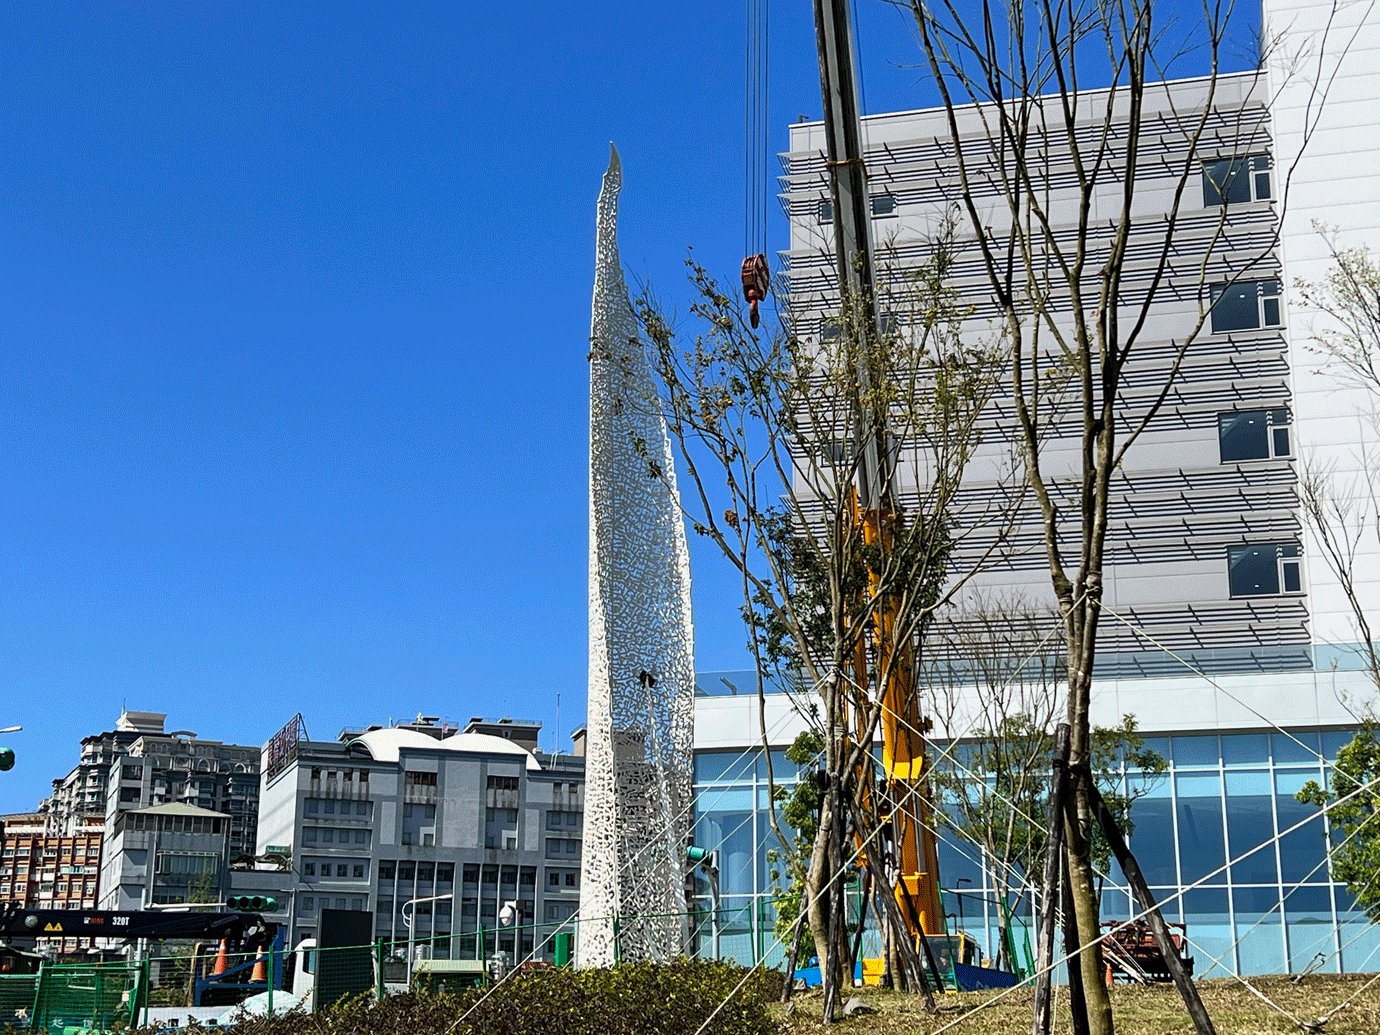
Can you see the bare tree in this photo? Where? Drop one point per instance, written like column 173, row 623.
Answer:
column 768, row 428
column 1343, row 511
column 1055, row 179
column 996, row 678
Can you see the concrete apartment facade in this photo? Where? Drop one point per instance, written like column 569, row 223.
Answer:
column 139, row 764
column 460, row 820
column 42, row 870
column 165, row 854
column 1238, row 650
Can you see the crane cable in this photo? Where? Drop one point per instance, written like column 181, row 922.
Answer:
column 755, row 110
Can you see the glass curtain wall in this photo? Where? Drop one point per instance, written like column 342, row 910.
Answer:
column 1225, row 797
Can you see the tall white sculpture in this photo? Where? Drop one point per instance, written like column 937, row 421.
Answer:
column 641, row 667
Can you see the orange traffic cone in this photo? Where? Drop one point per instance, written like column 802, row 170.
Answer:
column 222, row 960
column 260, row 971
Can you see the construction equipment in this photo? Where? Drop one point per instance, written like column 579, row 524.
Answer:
column 903, row 801
column 216, row 980
column 756, row 282
column 1131, row 952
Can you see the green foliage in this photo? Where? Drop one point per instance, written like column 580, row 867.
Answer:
column 629, row 999
column 1352, row 802
column 800, row 811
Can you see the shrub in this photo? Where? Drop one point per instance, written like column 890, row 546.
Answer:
column 629, row 999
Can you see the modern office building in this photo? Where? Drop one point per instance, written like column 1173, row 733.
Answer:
column 451, row 823
column 1228, row 636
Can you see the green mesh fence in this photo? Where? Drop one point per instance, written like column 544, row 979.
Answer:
column 17, row 999
column 100, row 996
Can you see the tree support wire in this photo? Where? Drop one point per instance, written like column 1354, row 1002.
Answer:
column 1136, row 879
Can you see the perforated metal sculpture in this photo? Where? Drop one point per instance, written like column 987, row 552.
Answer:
column 641, row 669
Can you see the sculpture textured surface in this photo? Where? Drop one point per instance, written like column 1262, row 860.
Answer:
column 641, row 668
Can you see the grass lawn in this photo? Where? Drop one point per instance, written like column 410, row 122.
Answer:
column 1154, row 1010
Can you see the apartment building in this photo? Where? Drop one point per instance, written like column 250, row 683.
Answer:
column 42, row 870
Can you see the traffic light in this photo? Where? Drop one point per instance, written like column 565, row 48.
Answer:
column 6, row 759
column 252, row 904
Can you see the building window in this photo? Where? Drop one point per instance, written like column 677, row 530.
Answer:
column 420, row 779
column 1245, row 305
column 445, row 873
column 882, row 205
column 554, row 879
column 386, row 870
column 503, row 783
column 1236, row 181
column 313, row 806
column 359, row 871
column 1264, row 569
column 572, row 879
column 309, row 869
column 357, row 904
column 342, row 869
column 1253, row 434
column 308, row 904
column 309, row 835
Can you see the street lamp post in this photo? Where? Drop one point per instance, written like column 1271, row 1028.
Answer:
column 959, row 895
column 407, row 915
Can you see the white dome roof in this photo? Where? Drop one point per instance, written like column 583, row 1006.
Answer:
column 385, row 744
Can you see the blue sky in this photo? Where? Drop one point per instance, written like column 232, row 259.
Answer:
column 294, row 307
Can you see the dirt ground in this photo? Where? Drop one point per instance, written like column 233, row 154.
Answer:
column 1156, row 1010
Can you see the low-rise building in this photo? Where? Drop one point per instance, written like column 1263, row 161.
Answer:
column 165, row 854
column 431, row 823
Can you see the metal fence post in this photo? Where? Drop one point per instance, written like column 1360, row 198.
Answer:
column 379, row 991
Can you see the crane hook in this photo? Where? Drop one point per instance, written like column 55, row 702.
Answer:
column 756, row 281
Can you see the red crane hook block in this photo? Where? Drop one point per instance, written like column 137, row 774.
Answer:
column 756, row 281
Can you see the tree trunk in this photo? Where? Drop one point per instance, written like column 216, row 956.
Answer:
column 1082, row 883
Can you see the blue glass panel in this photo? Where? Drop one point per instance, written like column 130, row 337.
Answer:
column 1152, row 841
column 1301, row 853
column 782, row 769
column 1159, row 745
column 1196, row 751
column 1286, row 750
column 731, row 834
column 1209, row 928
column 1245, row 748
column 720, row 766
column 1116, row 904
column 1201, row 847
column 724, row 798
column 1261, row 932
column 1360, row 943
column 958, row 858
column 1334, row 740
column 1250, row 823
column 1308, row 925
column 1170, row 903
